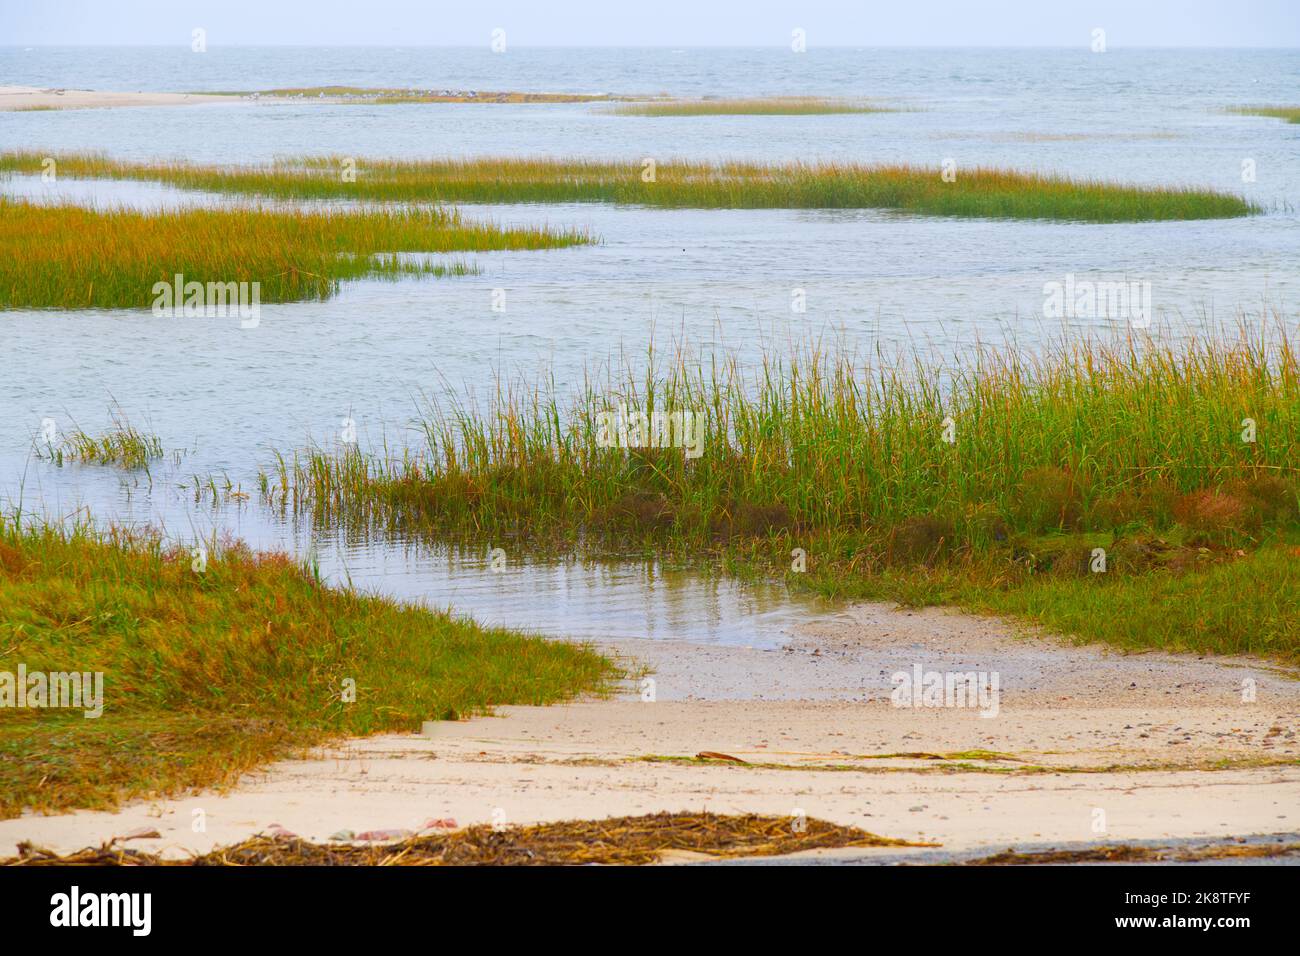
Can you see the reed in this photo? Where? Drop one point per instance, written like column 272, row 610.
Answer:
column 67, row 256
column 982, row 192
column 752, row 106
column 212, row 668
column 123, row 445
column 1088, row 436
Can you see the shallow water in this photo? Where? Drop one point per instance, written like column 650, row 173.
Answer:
column 589, row 601
column 722, row 279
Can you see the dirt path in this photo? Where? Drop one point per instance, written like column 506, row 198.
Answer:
column 1086, row 745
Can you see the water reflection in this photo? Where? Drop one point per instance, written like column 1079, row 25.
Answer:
column 572, row 598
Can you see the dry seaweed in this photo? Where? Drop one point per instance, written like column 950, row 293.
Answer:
column 1125, row 853
column 618, row 840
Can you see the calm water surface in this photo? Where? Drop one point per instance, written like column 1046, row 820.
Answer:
column 716, row 279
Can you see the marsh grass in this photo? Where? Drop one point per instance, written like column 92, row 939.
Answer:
column 67, row 256
column 1088, row 437
column 207, row 675
column 1289, row 113
column 982, row 192
column 214, row 489
column 1133, row 446
column 123, row 445
column 395, row 95
column 1234, row 602
column 754, row 106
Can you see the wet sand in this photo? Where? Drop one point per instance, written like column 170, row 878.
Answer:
column 1088, row 744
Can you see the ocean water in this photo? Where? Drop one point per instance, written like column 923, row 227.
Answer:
column 227, row 397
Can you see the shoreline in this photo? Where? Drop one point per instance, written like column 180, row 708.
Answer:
column 1162, row 745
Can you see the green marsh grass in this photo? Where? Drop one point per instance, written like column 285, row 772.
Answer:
column 1289, row 113
column 754, row 106
column 1134, row 447
column 1239, row 603
column 123, row 445
column 216, row 490
column 1078, row 438
column 208, row 675
column 977, row 192
column 67, row 256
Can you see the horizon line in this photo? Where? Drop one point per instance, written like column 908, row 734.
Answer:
column 643, row 46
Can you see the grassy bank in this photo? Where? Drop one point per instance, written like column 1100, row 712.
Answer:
column 974, row 192
column 212, row 667
column 66, row 256
column 988, row 483
column 755, row 106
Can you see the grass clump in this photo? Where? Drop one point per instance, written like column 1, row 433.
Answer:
column 216, row 663
column 1289, row 113
column 67, row 256
column 752, row 106
column 981, row 192
column 123, row 445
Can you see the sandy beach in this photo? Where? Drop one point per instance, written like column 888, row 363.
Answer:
column 16, row 98
column 35, row 98
column 1088, row 745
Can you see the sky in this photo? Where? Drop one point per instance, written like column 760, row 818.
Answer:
column 675, row 23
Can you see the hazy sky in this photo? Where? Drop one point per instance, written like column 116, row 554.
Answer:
column 1274, row 23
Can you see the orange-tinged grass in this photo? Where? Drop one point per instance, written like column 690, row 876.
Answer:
column 210, row 673
column 394, row 95
column 67, row 256
column 994, row 193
